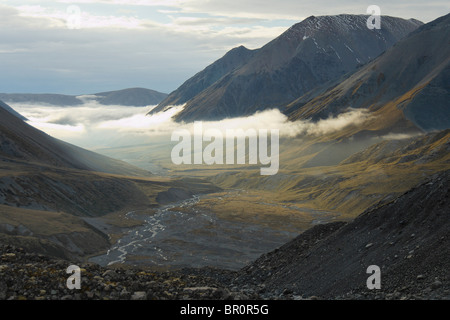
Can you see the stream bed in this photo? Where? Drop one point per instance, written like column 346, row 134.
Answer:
column 171, row 238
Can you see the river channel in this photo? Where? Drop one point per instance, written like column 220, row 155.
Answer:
column 192, row 238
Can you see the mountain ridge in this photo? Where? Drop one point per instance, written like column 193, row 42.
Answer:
column 201, row 80
column 311, row 52
column 398, row 85
column 19, row 140
column 11, row 110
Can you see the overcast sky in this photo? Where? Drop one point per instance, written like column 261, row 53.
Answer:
column 89, row 46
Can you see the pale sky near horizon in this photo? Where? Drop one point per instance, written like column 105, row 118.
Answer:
column 89, row 46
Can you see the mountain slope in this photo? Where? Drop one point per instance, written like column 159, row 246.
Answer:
column 20, row 141
column 202, row 80
column 314, row 51
column 11, row 110
column 407, row 87
column 377, row 173
column 408, row 238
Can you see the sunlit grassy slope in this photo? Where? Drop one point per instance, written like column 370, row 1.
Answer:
column 342, row 176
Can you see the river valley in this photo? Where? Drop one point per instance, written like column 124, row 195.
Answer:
column 175, row 238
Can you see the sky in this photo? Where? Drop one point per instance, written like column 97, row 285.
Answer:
column 89, row 46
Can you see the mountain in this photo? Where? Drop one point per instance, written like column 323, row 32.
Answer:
column 11, row 110
column 232, row 60
column 407, row 238
column 406, row 88
column 20, row 141
column 137, row 97
column 314, row 51
column 41, row 98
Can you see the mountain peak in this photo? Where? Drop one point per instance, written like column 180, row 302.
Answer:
column 311, row 52
column 240, row 48
column 407, row 86
column 231, row 61
column 344, row 23
column 237, row 51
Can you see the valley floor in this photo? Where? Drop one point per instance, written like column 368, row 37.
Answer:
column 408, row 238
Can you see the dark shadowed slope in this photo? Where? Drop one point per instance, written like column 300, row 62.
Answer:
column 310, row 53
column 11, row 110
column 408, row 86
column 408, row 238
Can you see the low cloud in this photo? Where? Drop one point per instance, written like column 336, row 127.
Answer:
column 93, row 125
column 399, row 136
column 329, row 125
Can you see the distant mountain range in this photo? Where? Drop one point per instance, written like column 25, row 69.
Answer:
column 310, row 53
column 138, row 97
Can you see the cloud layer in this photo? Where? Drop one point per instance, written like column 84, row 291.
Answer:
column 93, row 126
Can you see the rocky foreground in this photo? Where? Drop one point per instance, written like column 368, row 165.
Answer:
column 407, row 238
column 29, row 276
